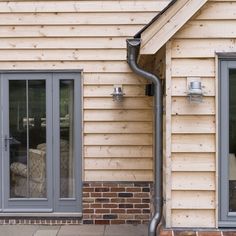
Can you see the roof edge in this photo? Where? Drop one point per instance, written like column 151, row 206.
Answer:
column 166, row 25
column 138, row 34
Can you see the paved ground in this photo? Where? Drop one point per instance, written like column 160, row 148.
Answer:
column 75, row 230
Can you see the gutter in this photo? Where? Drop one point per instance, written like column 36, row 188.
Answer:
column 133, row 46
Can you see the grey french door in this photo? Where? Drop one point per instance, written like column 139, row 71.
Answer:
column 41, row 142
column 227, row 143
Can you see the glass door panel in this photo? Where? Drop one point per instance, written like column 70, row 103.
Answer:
column 232, row 140
column 18, row 139
column 37, row 144
column 27, row 112
column 67, row 163
column 67, row 126
column 26, row 118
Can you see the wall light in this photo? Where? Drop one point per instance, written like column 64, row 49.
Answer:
column 118, row 94
column 195, row 92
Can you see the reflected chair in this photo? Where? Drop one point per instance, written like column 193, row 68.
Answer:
column 36, row 178
column 33, row 176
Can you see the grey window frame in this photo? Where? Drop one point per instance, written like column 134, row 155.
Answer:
column 226, row 62
column 54, row 203
column 67, row 204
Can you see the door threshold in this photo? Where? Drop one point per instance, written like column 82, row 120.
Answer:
column 41, row 214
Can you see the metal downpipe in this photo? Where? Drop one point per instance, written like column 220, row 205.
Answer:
column 133, row 46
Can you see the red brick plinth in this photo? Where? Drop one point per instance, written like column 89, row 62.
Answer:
column 169, row 232
column 116, row 203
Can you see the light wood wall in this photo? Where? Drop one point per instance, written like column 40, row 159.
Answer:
column 90, row 35
column 191, row 197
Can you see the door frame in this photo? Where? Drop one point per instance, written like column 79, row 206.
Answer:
column 226, row 62
column 55, row 209
column 25, row 204
column 67, row 204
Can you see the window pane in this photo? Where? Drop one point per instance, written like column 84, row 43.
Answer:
column 18, row 143
column 27, row 105
column 67, row 176
column 232, row 140
column 37, row 138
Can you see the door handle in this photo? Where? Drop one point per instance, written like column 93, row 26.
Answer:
column 6, row 141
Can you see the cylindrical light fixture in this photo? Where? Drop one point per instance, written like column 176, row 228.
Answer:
column 118, row 94
column 195, row 92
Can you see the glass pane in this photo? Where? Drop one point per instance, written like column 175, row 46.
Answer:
column 232, row 140
column 27, row 112
column 67, row 178
column 37, row 138
column 18, row 143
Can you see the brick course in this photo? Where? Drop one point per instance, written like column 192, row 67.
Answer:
column 200, row 232
column 118, row 203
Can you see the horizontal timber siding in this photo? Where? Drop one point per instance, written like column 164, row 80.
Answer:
column 91, row 36
column 193, row 166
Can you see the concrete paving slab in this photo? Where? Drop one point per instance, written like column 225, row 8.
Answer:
column 18, row 230
column 46, row 232
column 81, row 230
column 129, row 230
column 74, row 230
column 49, row 227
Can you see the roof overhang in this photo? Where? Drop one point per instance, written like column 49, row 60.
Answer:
column 167, row 24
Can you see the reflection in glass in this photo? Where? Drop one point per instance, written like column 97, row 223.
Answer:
column 27, row 114
column 18, row 132
column 232, row 140
column 67, row 178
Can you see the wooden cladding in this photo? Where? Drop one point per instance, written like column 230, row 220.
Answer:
column 91, row 36
column 81, row 6
column 192, row 169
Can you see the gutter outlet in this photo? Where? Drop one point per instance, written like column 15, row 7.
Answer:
column 133, row 47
